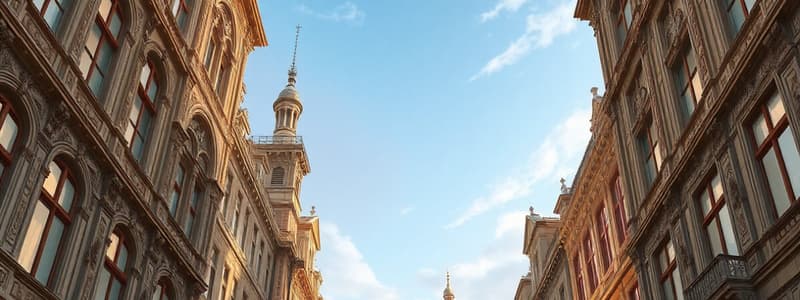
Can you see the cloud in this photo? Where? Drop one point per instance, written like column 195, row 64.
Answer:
column 346, row 12
column 540, row 32
column 406, row 210
column 494, row 273
column 508, row 5
column 349, row 275
column 560, row 147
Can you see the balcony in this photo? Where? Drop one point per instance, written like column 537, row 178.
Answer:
column 724, row 271
column 277, row 140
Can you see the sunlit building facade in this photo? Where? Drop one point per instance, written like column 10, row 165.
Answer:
column 701, row 101
column 126, row 171
column 548, row 273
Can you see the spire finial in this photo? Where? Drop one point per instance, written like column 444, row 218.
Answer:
column 293, row 68
column 313, row 210
column 448, row 279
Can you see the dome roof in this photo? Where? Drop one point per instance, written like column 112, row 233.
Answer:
column 289, row 92
column 448, row 292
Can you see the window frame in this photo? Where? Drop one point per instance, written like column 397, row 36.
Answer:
column 717, row 204
column 603, row 235
column 180, row 9
column 665, row 272
column 105, row 36
column 7, row 155
column 579, row 275
column 618, row 201
column 591, row 266
column 681, row 69
column 146, row 104
column 650, row 150
column 113, row 268
column 177, row 191
column 771, row 142
column 55, row 210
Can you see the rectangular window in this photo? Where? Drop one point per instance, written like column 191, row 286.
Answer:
column 243, row 237
column 687, row 81
column 212, row 272
column 196, row 194
column 716, row 218
column 670, row 277
column 618, row 199
column 260, row 257
column 581, row 295
column 738, row 11
column 212, row 49
column 651, row 151
column 603, row 233
column 624, row 19
column 252, row 255
column 176, row 191
column 776, row 150
column 226, row 195
column 235, row 220
column 101, row 44
column 180, row 9
column 591, row 269
column 52, row 11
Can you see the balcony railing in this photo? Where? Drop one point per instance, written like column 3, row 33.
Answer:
column 277, row 140
column 724, row 268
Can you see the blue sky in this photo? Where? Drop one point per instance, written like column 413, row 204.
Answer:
column 431, row 126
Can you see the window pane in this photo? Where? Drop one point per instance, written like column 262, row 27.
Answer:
column 104, row 57
column 737, row 17
column 176, row 5
column 779, row 194
column 144, row 123
column 67, row 195
column 791, row 159
column 138, row 146
column 8, row 133
column 189, row 224
column 727, row 231
column 705, row 202
column 628, row 13
column 145, row 75
column 676, row 276
column 716, row 186
column 776, row 109
column 173, row 203
column 670, row 251
column 688, row 103
column 152, row 92
column 115, row 25
column 33, row 236
column 102, row 284
column 111, row 251
column 96, row 82
column 104, row 9
column 667, row 286
column 116, row 288
column 51, row 182
column 657, row 153
column 38, row 3
column 122, row 258
column 93, row 39
column 760, row 130
column 52, row 15
column 86, row 62
column 697, row 86
column 49, row 251
column 713, row 238
column 749, row 4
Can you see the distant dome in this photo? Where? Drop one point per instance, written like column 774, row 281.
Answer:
column 448, row 292
column 289, row 92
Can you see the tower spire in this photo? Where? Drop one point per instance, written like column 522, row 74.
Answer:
column 448, row 291
column 293, row 67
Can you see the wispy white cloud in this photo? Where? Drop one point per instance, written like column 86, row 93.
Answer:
column 560, row 147
column 406, row 210
column 494, row 273
column 350, row 276
column 540, row 32
column 502, row 5
column 347, row 12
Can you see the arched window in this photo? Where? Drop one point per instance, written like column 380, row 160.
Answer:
column 277, row 176
column 143, row 111
column 51, row 219
column 112, row 279
column 218, row 54
column 9, row 129
column 180, row 9
column 101, row 44
column 51, row 11
column 163, row 290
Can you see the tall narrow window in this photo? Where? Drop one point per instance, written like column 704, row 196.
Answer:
column 142, row 112
column 226, row 195
column 260, row 257
column 235, row 220
column 624, row 19
column 243, row 237
column 717, row 218
column 670, row 277
column 252, row 256
column 687, row 81
column 603, row 233
column 193, row 204
column 212, row 270
column 618, row 199
column 180, row 9
column 651, row 152
column 175, row 198
column 210, row 52
column 578, row 277
column 591, row 269
column 277, row 176
column 50, row 221
column 219, row 84
column 8, row 134
column 738, row 11
column 112, row 279
column 776, row 150
column 52, row 11
column 101, row 44
column 163, row 291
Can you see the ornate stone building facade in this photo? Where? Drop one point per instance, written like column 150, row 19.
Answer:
column 125, row 167
column 702, row 113
column 548, row 275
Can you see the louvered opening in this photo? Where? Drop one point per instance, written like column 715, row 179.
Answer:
column 277, row 176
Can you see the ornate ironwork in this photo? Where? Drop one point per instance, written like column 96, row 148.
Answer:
column 724, row 268
column 280, row 140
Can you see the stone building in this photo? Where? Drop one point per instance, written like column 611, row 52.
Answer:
column 548, row 274
column 702, row 102
column 125, row 167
